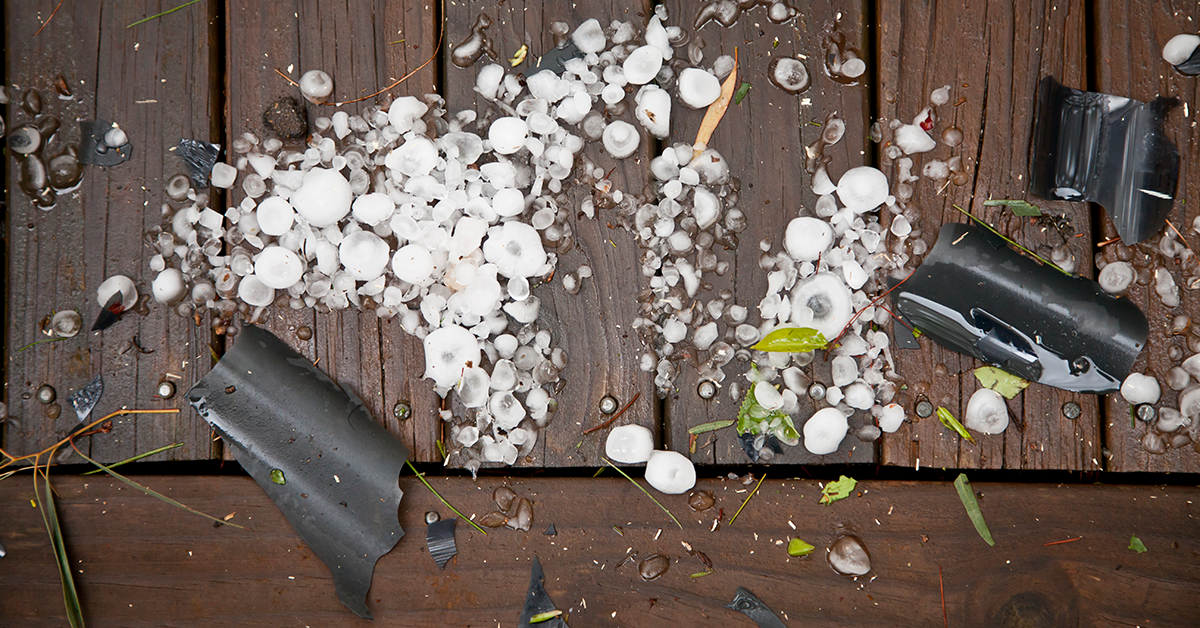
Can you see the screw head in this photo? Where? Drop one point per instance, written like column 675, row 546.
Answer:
column 707, row 389
column 1071, row 410
column 924, row 408
column 608, row 404
column 817, row 391
column 402, row 411
column 166, row 389
column 46, row 394
column 432, row 517
column 1146, row 412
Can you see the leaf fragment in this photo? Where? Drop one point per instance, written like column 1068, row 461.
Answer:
column 716, row 111
column 277, row 476
column 792, row 340
column 741, row 92
column 710, row 427
column 518, row 59
column 1136, row 544
column 547, row 616
column 799, row 547
column 701, row 574
column 949, row 421
column 837, row 489
column 1000, row 381
column 963, row 486
column 1016, row 206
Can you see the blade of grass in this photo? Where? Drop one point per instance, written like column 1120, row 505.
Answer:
column 709, row 427
column 50, row 517
column 136, row 458
column 158, row 15
column 421, row 477
column 38, row 342
column 739, row 510
column 972, row 505
column 664, row 508
column 1013, row 242
column 149, row 491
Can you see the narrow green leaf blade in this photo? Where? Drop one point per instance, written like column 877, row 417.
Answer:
column 963, row 485
column 1000, row 381
column 1016, row 206
column 543, row 617
column 710, row 427
column 136, row 458
column 792, row 340
column 50, row 517
column 949, row 421
column 837, row 489
column 799, row 547
column 741, row 92
column 1136, row 545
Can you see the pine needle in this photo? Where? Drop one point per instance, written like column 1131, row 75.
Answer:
column 664, row 508
column 739, row 510
column 156, row 16
column 421, row 477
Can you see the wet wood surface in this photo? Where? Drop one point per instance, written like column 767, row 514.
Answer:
column 1129, row 50
column 217, row 85
column 140, row 562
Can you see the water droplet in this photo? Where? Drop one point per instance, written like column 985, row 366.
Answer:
column 166, row 389
column 503, row 496
column 701, row 500
column 304, row 332
column 817, row 391
column 706, row 389
column 924, row 408
column 1146, row 412
column 654, row 567
column 432, row 517
column 848, row 556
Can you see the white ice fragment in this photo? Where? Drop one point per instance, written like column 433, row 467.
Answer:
column 912, row 139
column 404, row 113
column 516, row 249
column 940, row 96
column 642, row 65
column 412, row 263
column 275, row 216
column 828, row 300
column 901, row 227
column 824, row 431
column 1164, row 285
column 487, row 82
column 589, row 37
column 473, row 388
column 508, row 134
column 449, row 352
column 670, row 472
column 373, row 209
column 620, row 139
column 508, row 202
column 324, row 197
column 364, row 255
column 263, row 165
column 223, row 175
column 1116, row 277
column 859, row 396
column 862, row 189
column 768, row 396
column 986, row 412
column 653, row 110
column 1180, row 48
column 891, row 417
column 415, row 158
column 822, row 185
column 845, row 370
column 254, row 292
column 674, row 330
column 806, row 238
column 698, row 88
column 1138, row 389
column 316, row 86
column 506, row 410
column 705, row 335
column 706, row 207
column 169, row 286
column 854, row 274
column 629, row 444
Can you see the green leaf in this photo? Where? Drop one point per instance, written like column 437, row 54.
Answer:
column 792, row 340
column 710, row 427
column 838, row 489
column 137, row 457
column 1000, row 381
column 50, row 517
column 547, row 616
column 701, row 574
column 949, row 421
column 1136, row 545
column 277, row 476
column 1018, row 207
column 741, row 92
column 972, row 505
column 798, row 547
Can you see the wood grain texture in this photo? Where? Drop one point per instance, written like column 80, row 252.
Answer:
column 991, row 55
column 764, row 140
column 593, row 326
column 157, row 81
column 353, row 42
column 1130, row 37
column 147, row 563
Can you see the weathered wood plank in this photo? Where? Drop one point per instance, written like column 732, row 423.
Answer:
column 992, row 55
column 354, row 43
column 593, row 326
column 147, row 563
column 1129, row 41
column 157, row 81
column 764, row 140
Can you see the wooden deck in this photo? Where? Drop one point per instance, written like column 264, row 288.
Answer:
column 207, row 72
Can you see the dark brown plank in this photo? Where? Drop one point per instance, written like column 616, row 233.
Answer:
column 764, row 140
column 353, row 43
column 151, row 564
column 592, row 327
column 157, row 81
column 992, row 54
column 1129, row 41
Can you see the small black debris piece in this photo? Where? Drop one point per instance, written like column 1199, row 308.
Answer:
column 556, row 58
column 200, row 157
column 287, row 118
column 86, row 398
column 439, row 538
column 550, row 531
column 749, row 605
column 537, row 601
column 110, row 313
column 754, row 450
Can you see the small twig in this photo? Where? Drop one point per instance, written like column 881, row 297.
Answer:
column 38, row 342
column 877, row 299
column 1108, row 242
column 421, row 477
column 739, row 510
column 60, row 3
column 1061, row 542
column 286, row 78
column 716, row 111
column 942, row 588
column 614, row 416
column 1181, row 238
column 135, row 458
column 664, row 508
column 152, row 17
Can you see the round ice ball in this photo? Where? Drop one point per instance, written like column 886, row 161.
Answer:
column 275, row 216
column 373, row 208
column 324, row 197
column 862, row 189
column 254, row 292
column 364, row 255
column 824, row 431
column 168, row 286
column 670, row 472
column 412, row 263
column 508, row 135
column 449, row 351
column 806, row 238
column 278, row 267
column 630, row 444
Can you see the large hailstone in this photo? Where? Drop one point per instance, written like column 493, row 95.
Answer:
column 254, row 292
column 508, row 135
column 1139, row 388
column 824, row 431
column 275, row 216
column 372, row 209
column 822, row 302
column 169, row 286
column 364, row 255
column 629, row 444
column 278, row 267
column 698, row 88
column 416, row 157
column 670, row 472
column 862, row 189
column 516, row 249
column 806, row 238
column 412, row 263
column 642, row 65
column 324, row 197
column 404, row 113
column 986, row 412
column 449, row 352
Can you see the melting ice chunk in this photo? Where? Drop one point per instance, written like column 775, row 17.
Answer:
column 986, row 412
column 862, row 189
column 698, row 88
column 324, row 197
column 642, row 65
column 824, row 431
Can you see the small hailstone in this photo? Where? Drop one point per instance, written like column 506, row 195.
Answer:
column 506, row 410
column 473, row 387
column 507, row 135
column 670, row 472
column 629, row 444
column 1180, row 48
column 278, row 267
column 859, row 396
column 854, row 274
column 891, row 417
column 653, row 110
column 404, row 112
column 324, row 197
column 1116, row 277
column 848, row 557
column 589, row 37
column 1164, row 285
column 940, row 96
column 698, row 88
column 862, row 189
column 642, row 65
column 508, row 202
column 316, row 86
column 620, row 139
column 254, row 292
column 912, row 139
column 372, row 209
column 705, row 335
column 826, row 299
column 845, row 370
column 768, row 396
column 169, row 286
column 412, row 263
column 901, row 227
column 275, row 216
column 853, row 68
column 806, row 238
column 674, row 330
column 487, row 82
column 415, row 157
column 986, row 412
column 516, row 249
column 263, row 165
column 364, row 255
column 223, row 175
column 449, row 351
column 788, row 74
column 824, row 431
column 1138, row 389
column 823, row 186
